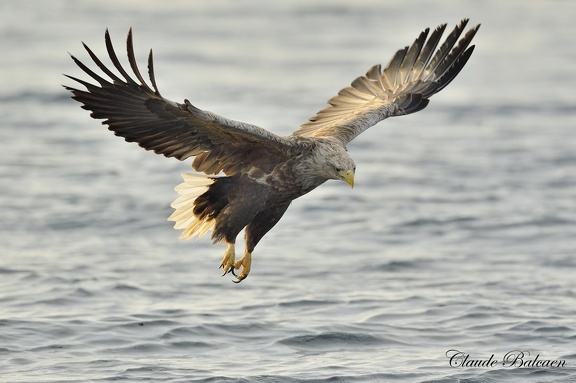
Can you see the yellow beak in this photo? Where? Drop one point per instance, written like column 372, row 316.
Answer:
column 348, row 176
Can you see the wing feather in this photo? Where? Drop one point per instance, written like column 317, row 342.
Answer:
column 428, row 50
column 138, row 113
column 434, row 68
column 390, row 73
column 410, row 78
column 412, row 54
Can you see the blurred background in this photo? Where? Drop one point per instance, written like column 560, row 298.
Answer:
column 459, row 234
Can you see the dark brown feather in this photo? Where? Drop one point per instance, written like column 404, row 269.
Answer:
column 137, row 112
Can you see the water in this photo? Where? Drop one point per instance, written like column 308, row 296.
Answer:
column 460, row 233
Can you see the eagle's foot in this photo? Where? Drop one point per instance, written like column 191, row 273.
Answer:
column 245, row 262
column 227, row 263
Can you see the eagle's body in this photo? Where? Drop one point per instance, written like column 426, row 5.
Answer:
column 263, row 172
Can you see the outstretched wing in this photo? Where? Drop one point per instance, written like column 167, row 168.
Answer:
column 133, row 110
column 412, row 76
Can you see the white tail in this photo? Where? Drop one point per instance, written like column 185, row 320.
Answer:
column 194, row 185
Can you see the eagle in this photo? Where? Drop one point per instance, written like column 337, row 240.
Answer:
column 251, row 175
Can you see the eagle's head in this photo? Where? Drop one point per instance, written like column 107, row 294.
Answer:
column 334, row 162
column 342, row 168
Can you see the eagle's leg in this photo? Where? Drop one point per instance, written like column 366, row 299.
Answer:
column 245, row 262
column 227, row 263
column 255, row 230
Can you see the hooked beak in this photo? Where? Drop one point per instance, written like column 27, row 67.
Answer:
column 348, row 177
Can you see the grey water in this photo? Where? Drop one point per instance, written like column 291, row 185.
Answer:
column 460, row 233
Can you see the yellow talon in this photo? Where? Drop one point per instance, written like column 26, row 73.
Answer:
column 227, row 263
column 245, row 262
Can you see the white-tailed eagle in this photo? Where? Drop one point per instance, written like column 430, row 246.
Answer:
column 263, row 172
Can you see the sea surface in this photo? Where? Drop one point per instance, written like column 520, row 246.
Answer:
column 458, row 239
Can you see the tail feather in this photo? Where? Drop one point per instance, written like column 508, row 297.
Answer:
column 185, row 219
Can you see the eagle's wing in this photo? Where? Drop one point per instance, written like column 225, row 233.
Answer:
column 133, row 110
column 413, row 75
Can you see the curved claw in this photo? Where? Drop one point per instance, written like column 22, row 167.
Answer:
column 239, row 278
column 227, row 271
